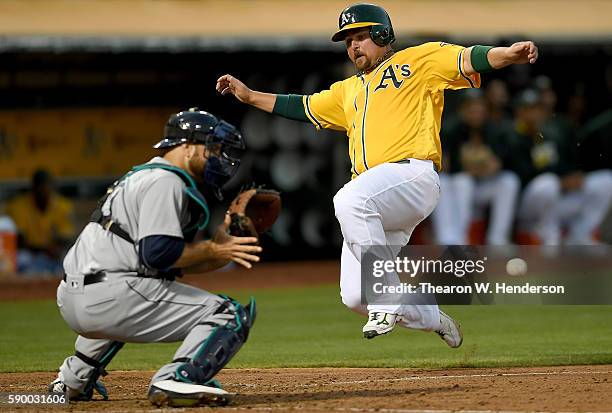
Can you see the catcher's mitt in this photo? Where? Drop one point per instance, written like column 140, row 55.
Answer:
column 253, row 212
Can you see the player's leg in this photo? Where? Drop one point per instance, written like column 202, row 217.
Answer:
column 464, row 187
column 350, row 281
column 78, row 375
column 146, row 310
column 452, row 215
column 426, row 317
column 388, row 197
column 537, row 210
column 594, row 202
column 212, row 335
column 500, row 192
column 369, row 205
column 213, row 328
column 420, row 317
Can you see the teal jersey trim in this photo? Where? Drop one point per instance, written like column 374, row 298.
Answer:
column 290, row 107
column 191, row 190
column 479, row 59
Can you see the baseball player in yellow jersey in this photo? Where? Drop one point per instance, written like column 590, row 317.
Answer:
column 391, row 112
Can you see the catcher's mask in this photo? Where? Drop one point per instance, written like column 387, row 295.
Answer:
column 366, row 15
column 222, row 139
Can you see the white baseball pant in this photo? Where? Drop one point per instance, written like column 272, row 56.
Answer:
column 545, row 209
column 464, row 198
column 382, row 206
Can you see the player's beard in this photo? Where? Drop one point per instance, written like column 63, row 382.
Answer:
column 367, row 65
column 362, row 64
column 197, row 164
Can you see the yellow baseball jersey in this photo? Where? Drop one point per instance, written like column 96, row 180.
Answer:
column 395, row 111
column 40, row 229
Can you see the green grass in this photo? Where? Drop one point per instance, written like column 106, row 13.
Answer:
column 310, row 327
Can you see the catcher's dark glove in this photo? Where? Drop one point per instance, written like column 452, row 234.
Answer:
column 253, row 212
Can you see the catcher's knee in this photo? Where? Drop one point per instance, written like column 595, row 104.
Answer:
column 221, row 345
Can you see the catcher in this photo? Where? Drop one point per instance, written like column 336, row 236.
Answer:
column 119, row 283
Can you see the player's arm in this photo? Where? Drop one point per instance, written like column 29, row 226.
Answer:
column 162, row 252
column 161, row 245
column 288, row 106
column 208, row 255
column 483, row 59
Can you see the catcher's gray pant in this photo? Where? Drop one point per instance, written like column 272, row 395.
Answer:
column 133, row 309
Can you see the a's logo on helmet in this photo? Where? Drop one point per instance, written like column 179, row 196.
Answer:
column 347, row 18
column 184, row 125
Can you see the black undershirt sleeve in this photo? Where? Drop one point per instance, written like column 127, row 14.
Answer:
column 160, row 252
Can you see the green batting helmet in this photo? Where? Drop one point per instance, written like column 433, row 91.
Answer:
column 366, row 15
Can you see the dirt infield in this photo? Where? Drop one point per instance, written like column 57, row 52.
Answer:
column 568, row 389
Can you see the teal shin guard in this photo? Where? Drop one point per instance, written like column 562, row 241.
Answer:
column 222, row 344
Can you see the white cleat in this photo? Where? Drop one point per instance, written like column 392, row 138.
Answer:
column 179, row 394
column 58, row 386
column 450, row 331
column 379, row 323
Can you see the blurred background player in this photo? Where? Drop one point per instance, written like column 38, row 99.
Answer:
column 45, row 225
column 473, row 177
column 557, row 193
column 498, row 103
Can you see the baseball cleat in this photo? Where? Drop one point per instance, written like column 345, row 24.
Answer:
column 379, row 323
column 179, row 394
column 58, row 386
column 450, row 331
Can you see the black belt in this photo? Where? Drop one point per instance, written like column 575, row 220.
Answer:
column 101, row 276
column 93, row 278
column 408, row 161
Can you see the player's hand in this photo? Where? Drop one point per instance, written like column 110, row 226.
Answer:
column 241, row 250
column 229, row 84
column 522, row 52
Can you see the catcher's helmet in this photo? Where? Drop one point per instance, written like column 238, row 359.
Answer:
column 366, row 15
column 198, row 126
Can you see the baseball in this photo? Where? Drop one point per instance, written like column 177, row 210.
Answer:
column 516, row 267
